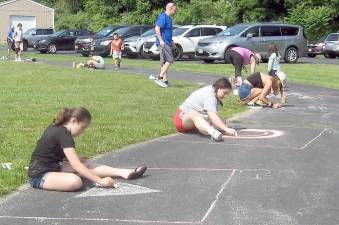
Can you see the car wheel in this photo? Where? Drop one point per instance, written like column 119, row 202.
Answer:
column 332, row 56
column 52, row 48
column 25, row 46
column 131, row 55
column 85, row 54
column 177, row 52
column 311, row 55
column 291, row 55
column 209, row 60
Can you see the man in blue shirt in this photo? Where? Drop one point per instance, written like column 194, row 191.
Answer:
column 163, row 30
column 10, row 41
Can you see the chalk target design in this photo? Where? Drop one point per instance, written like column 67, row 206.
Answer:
column 256, row 134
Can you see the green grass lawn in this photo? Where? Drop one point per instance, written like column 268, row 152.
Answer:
column 126, row 109
column 312, row 74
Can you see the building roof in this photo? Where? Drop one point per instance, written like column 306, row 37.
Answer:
column 12, row 1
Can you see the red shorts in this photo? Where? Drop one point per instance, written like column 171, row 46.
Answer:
column 177, row 120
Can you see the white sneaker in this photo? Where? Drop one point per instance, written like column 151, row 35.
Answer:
column 161, row 83
column 216, row 136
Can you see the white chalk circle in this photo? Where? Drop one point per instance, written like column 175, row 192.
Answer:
column 256, row 133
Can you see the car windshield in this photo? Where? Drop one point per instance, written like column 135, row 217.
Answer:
column 231, row 31
column 105, row 31
column 148, row 33
column 179, row 31
column 332, row 37
column 121, row 31
column 29, row 31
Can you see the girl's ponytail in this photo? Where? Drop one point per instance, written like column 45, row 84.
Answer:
column 62, row 117
column 65, row 114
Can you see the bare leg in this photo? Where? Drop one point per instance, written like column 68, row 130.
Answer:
column 59, row 181
column 164, row 70
column 100, row 170
column 193, row 120
column 255, row 92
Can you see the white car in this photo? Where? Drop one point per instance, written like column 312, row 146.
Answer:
column 185, row 38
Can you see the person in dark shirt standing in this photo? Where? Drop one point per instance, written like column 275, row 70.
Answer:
column 164, row 30
column 49, row 171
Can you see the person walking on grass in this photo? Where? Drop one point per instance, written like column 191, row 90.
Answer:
column 18, row 42
column 56, row 166
column 199, row 111
column 164, row 30
column 10, row 41
column 117, row 46
column 240, row 57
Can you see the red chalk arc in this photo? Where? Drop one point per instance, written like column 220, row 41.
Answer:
column 257, row 133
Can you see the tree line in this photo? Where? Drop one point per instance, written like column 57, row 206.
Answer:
column 318, row 17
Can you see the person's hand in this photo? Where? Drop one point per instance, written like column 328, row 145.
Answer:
column 107, row 182
column 162, row 43
column 231, row 131
column 276, row 105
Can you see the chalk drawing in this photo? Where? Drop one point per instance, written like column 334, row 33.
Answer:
column 256, row 133
column 122, row 189
column 300, row 95
column 256, row 174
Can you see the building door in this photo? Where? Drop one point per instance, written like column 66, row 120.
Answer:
column 27, row 22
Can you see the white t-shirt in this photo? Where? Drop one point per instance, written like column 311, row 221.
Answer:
column 202, row 101
column 17, row 34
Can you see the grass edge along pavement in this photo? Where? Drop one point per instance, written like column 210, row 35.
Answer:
column 321, row 75
column 33, row 93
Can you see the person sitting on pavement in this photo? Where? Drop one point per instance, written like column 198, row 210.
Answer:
column 95, row 62
column 56, row 166
column 256, row 87
column 241, row 57
column 199, row 111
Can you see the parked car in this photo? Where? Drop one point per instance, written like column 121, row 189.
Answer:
column 35, row 34
column 290, row 40
column 134, row 45
column 62, row 40
column 83, row 43
column 314, row 49
column 185, row 39
column 331, row 47
column 102, row 46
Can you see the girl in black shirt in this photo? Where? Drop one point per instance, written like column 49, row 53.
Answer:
column 258, row 85
column 47, row 169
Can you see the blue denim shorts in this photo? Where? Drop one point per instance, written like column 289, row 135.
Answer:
column 38, row 182
column 244, row 91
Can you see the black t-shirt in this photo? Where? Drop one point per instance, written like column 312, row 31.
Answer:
column 255, row 80
column 49, row 152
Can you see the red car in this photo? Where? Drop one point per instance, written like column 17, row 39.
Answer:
column 316, row 48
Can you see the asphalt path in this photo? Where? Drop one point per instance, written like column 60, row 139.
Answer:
column 281, row 170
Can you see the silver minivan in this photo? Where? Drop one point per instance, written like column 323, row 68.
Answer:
column 289, row 39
